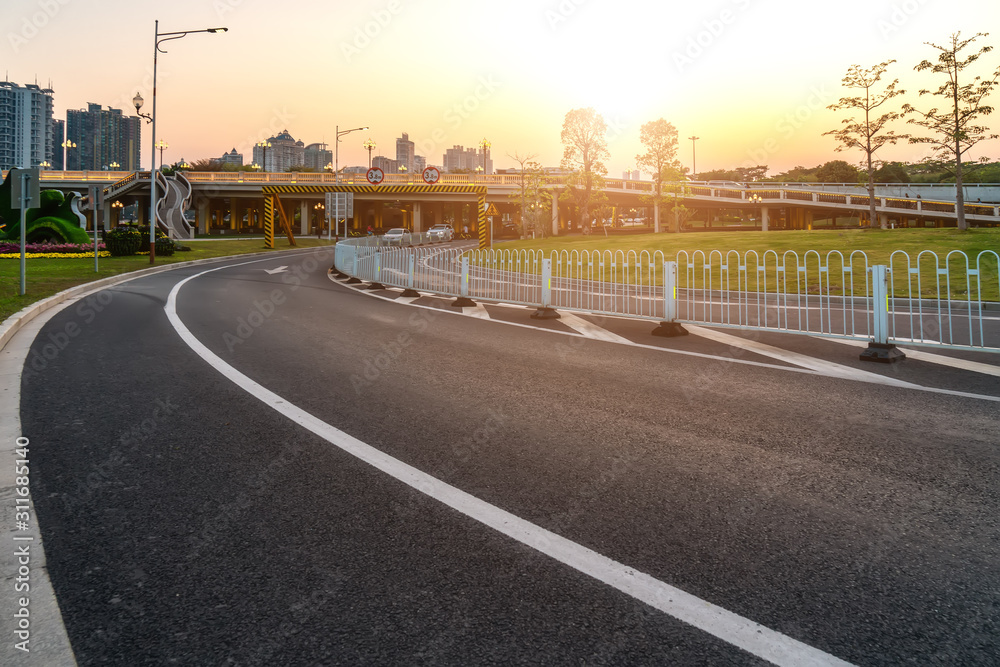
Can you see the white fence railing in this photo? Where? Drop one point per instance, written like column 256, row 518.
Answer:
column 947, row 302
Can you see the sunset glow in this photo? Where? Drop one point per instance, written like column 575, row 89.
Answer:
column 752, row 78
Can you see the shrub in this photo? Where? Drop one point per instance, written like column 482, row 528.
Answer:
column 123, row 240
column 164, row 247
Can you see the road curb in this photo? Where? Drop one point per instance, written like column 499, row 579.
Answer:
column 49, row 642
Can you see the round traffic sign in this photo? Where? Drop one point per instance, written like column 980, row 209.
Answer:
column 375, row 175
column 431, row 175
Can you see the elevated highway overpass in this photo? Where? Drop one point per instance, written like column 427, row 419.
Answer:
column 233, row 202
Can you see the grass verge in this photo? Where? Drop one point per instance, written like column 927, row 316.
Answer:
column 50, row 275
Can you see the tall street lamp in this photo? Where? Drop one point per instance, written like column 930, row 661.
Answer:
column 336, row 152
column 159, row 38
column 369, row 145
column 264, row 145
column 694, row 162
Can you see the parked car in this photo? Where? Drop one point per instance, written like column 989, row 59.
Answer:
column 396, row 236
column 441, row 232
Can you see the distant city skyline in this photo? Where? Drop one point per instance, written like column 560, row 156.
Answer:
column 751, row 78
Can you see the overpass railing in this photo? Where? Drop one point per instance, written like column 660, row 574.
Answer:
column 926, row 299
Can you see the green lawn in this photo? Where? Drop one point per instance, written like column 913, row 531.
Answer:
column 45, row 276
column 877, row 245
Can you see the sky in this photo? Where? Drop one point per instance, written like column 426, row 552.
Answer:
column 750, row 78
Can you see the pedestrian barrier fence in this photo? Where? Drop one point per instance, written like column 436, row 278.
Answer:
column 929, row 299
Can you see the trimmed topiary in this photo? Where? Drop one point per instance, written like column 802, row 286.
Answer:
column 123, row 240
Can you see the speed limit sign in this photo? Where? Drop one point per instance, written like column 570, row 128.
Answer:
column 375, row 175
column 431, row 175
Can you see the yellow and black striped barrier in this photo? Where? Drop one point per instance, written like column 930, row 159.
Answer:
column 269, row 220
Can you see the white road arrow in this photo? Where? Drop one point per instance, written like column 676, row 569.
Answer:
column 280, row 269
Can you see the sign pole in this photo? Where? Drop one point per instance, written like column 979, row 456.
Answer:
column 23, row 177
column 93, row 203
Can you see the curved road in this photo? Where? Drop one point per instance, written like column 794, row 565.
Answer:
column 850, row 511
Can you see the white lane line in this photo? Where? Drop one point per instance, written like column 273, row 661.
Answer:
column 940, row 359
column 732, row 628
column 824, row 367
column 589, row 329
column 406, row 299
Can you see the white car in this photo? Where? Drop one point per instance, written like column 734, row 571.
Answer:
column 440, row 233
column 396, row 236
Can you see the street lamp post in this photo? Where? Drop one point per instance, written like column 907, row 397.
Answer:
column 159, row 38
column 264, row 145
column 161, row 144
column 336, row 162
column 484, row 145
column 694, row 162
column 67, row 145
column 369, row 145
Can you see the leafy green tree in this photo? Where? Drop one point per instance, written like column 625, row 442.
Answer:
column 531, row 196
column 585, row 148
column 868, row 131
column 660, row 140
column 891, row 172
column 955, row 129
column 837, row 171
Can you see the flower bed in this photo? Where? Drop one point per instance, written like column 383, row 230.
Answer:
column 50, row 248
column 54, row 255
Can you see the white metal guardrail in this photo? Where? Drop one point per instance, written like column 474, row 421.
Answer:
column 946, row 302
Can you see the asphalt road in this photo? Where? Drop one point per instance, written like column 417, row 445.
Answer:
column 185, row 522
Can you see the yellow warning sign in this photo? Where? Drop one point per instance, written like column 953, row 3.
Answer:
column 492, row 210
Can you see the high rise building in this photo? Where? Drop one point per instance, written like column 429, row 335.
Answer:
column 386, row 164
column 25, row 125
column 56, row 152
column 283, row 153
column 102, row 138
column 317, row 156
column 467, row 159
column 405, row 152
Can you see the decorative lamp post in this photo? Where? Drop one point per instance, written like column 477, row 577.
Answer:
column 114, row 165
column 159, row 38
column 484, row 145
column 264, row 145
column 254, row 166
column 161, row 144
column 116, row 208
column 369, row 145
column 68, row 145
column 44, row 164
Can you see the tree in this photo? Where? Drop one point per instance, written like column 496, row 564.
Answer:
column 891, row 172
column 954, row 130
column 674, row 176
column 660, row 140
column 585, row 149
column 870, row 132
column 837, row 171
column 531, row 196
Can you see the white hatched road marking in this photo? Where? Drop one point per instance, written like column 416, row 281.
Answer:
column 589, row 329
column 930, row 357
column 732, row 628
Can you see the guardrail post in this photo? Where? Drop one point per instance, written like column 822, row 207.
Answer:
column 463, row 301
column 880, row 350
column 410, row 277
column 670, row 327
column 545, row 310
column 375, row 284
